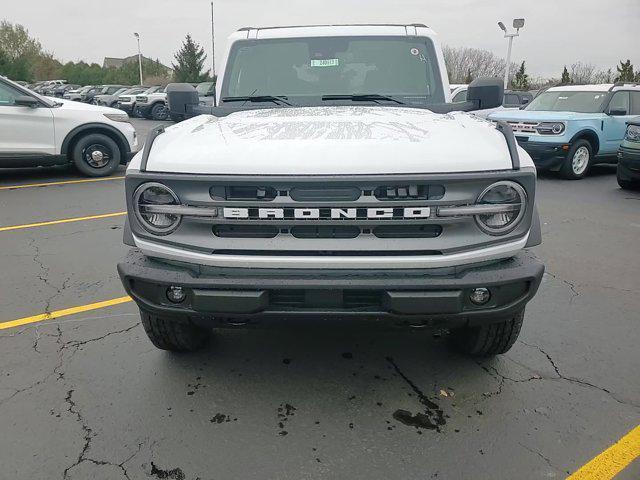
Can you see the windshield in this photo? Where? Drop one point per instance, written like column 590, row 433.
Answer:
column 204, row 88
column 305, row 69
column 568, row 101
column 120, row 91
column 151, row 90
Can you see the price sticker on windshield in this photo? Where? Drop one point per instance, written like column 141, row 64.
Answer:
column 328, row 62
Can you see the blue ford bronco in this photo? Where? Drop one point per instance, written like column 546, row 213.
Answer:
column 568, row 129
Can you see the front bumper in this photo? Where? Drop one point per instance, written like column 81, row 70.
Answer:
column 126, row 107
column 545, row 155
column 434, row 297
column 142, row 110
column 629, row 164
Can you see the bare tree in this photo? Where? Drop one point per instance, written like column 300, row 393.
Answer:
column 464, row 63
column 582, row 73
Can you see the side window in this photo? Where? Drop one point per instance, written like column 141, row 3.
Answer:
column 635, row 103
column 511, row 99
column 619, row 102
column 460, row 96
column 8, row 95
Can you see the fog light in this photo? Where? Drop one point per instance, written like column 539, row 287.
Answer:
column 480, row 296
column 176, row 294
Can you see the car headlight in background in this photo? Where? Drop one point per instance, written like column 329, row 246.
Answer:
column 152, row 204
column 509, row 194
column 633, row 133
column 117, row 117
column 550, row 128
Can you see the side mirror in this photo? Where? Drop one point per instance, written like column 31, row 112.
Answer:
column 486, row 93
column 182, row 99
column 26, row 101
column 616, row 112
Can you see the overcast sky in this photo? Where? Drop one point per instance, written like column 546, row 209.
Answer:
column 557, row 32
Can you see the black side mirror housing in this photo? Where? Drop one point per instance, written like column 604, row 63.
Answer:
column 617, row 112
column 26, row 101
column 486, row 93
column 183, row 99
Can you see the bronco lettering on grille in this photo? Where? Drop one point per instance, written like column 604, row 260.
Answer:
column 327, row 213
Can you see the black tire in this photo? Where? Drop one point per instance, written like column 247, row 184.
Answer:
column 569, row 169
column 626, row 184
column 488, row 340
column 173, row 335
column 159, row 112
column 92, row 165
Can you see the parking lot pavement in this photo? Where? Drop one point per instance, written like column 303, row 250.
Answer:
column 86, row 395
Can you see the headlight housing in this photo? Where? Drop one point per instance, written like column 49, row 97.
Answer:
column 550, row 128
column 506, row 193
column 117, row 117
column 148, row 202
column 633, row 133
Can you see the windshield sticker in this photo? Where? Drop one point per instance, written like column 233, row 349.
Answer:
column 328, row 62
column 415, row 51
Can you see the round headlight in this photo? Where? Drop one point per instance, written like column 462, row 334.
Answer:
column 150, row 195
column 513, row 197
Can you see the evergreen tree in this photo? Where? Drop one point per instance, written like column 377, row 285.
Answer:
column 625, row 72
column 566, row 79
column 189, row 62
column 521, row 79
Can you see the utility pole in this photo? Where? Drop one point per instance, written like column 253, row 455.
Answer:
column 213, row 46
column 518, row 23
column 137, row 35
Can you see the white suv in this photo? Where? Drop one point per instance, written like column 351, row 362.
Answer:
column 42, row 131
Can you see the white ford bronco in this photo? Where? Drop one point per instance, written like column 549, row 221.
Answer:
column 333, row 177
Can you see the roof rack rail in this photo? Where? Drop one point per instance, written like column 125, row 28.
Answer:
column 624, row 84
column 244, row 29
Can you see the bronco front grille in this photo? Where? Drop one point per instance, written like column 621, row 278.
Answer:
column 523, row 127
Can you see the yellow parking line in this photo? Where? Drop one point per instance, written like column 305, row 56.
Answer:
column 64, row 182
column 613, row 460
column 63, row 313
column 66, row 220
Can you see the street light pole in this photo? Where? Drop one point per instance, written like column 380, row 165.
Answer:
column 213, row 47
column 137, row 35
column 518, row 23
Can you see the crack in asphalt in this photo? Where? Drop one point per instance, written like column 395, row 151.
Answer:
column 569, row 284
column 541, row 455
column 559, row 376
column 433, row 417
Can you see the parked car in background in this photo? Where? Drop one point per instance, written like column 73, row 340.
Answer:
column 152, row 105
column 117, row 93
column 570, row 128
column 76, row 94
column 37, row 131
column 112, row 100
column 629, row 156
column 62, row 89
column 88, row 96
column 127, row 102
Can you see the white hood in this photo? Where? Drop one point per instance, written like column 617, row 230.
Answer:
column 330, row 141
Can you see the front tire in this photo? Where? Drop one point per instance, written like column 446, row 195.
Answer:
column 488, row 340
column 159, row 112
column 578, row 161
column 625, row 184
column 173, row 335
column 96, row 155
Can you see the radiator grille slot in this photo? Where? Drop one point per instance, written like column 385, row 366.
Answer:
column 407, row 231
column 245, row 231
column 325, row 232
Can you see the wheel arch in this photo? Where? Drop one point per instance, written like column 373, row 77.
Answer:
column 589, row 135
column 74, row 135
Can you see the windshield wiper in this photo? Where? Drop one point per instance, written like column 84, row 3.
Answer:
column 279, row 100
column 363, row 97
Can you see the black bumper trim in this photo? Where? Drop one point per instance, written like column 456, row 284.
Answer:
column 437, row 296
column 545, row 155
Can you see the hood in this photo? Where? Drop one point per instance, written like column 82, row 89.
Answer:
column 330, row 141
column 540, row 116
column 70, row 105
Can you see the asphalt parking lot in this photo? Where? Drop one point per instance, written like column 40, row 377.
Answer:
column 86, row 395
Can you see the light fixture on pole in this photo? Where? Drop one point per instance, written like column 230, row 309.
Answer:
column 518, row 23
column 137, row 35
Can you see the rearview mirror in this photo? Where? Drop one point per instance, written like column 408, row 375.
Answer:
column 26, row 101
column 486, row 93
